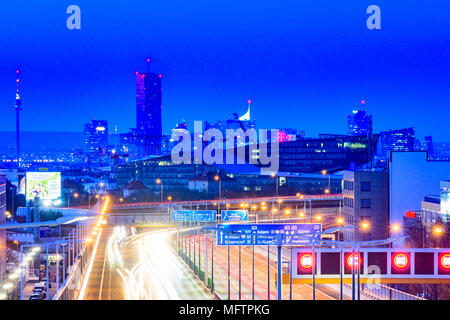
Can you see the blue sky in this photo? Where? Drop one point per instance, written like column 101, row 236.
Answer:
column 304, row 64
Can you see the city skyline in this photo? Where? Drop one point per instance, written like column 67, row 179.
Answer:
column 228, row 152
column 305, row 66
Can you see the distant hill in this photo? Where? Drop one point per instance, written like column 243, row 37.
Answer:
column 40, row 141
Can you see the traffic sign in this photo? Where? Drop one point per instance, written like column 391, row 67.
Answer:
column 194, row 215
column 387, row 265
column 264, row 234
column 234, row 215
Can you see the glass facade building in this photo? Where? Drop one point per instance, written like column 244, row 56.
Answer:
column 358, row 123
column 96, row 137
column 148, row 114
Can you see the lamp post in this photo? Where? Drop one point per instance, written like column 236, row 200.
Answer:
column 324, row 172
column 364, row 226
column 438, row 231
column 217, row 178
column 340, row 223
column 273, row 175
column 159, row 181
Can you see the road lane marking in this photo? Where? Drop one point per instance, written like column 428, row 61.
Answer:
column 88, row 272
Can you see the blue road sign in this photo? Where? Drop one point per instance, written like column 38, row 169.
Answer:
column 194, row 215
column 264, row 234
column 234, row 215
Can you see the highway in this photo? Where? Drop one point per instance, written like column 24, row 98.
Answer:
column 139, row 266
column 128, row 265
column 299, row 291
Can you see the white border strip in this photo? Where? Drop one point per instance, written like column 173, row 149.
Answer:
column 89, row 269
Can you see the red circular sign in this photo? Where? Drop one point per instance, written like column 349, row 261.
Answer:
column 401, row 261
column 306, row 261
column 445, row 261
column 353, row 258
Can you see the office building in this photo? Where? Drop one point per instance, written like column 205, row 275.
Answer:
column 329, row 152
column 96, row 137
column 412, row 176
column 359, row 123
column 366, row 204
column 429, row 145
column 397, row 140
column 148, row 113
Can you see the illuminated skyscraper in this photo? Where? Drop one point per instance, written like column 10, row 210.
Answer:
column 397, row 140
column 96, row 137
column 358, row 123
column 148, row 112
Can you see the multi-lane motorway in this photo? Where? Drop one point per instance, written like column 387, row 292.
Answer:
column 130, row 265
column 142, row 265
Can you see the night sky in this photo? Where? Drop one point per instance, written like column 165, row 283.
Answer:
column 304, row 64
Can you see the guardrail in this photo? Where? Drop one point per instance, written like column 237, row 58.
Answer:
column 71, row 286
column 383, row 292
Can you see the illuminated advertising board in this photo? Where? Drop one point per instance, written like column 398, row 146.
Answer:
column 45, row 185
column 445, row 197
column 21, row 185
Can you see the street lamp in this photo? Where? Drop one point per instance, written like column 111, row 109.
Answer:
column 159, row 181
column 340, row 223
column 324, row 172
column 217, row 178
column 438, row 230
column 273, row 175
column 364, row 226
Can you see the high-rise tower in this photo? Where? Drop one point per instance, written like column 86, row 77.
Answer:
column 148, row 112
column 18, row 108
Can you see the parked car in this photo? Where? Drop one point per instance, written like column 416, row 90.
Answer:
column 37, row 295
column 40, row 285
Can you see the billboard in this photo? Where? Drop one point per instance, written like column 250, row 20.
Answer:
column 45, row 185
column 445, row 197
column 265, row 234
column 21, row 185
